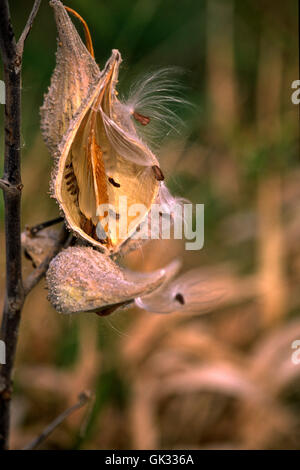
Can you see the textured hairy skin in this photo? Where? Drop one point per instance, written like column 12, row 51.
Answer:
column 98, row 154
column 82, row 279
column 75, row 73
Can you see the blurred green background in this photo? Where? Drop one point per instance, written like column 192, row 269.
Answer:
column 238, row 153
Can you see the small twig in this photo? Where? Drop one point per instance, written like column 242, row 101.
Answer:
column 40, row 271
column 26, row 30
column 37, row 228
column 83, row 398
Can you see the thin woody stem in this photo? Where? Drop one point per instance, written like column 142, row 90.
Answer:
column 26, row 30
column 11, row 54
column 14, row 295
column 83, row 398
column 37, row 228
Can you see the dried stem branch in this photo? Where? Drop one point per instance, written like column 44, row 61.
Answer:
column 11, row 54
column 37, row 228
column 14, row 295
column 26, row 30
column 83, row 398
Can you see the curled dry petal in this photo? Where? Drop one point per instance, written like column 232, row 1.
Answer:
column 189, row 292
column 82, row 279
column 99, row 157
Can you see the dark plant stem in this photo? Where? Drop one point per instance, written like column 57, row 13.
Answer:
column 83, row 399
column 11, row 53
column 14, row 295
column 37, row 228
column 28, row 26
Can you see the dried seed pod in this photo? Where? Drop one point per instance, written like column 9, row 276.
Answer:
column 75, row 73
column 95, row 143
column 81, row 279
column 37, row 247
column 188, row 292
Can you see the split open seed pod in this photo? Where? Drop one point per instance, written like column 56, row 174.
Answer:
column 82, row 279
column 100, row 159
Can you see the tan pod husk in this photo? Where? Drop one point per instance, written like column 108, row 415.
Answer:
column 82, row 279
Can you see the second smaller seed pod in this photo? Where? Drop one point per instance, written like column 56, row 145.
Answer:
column 81, row 279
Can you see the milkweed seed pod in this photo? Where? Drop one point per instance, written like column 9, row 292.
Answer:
column 99, row 157
column 74, row 76
column 81, row 279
